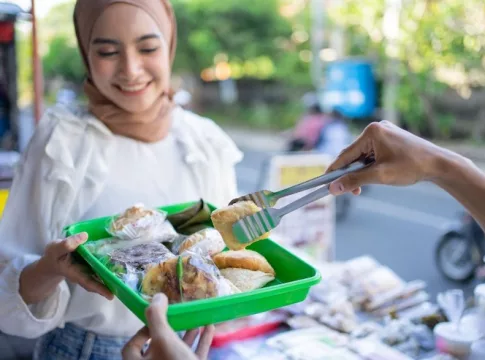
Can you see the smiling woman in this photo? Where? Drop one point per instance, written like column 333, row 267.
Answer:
column 130, row 145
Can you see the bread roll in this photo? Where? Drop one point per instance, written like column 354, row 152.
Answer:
column 246, row 269
column 224, row 218
column 205, row 242
column 243, row 259
column 199, row 279
column 247, row 280
column 162, row 278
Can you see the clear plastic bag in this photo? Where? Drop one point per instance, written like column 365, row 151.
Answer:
column 130, row 259
column 206, row 242
column 140, row 222
column 188, row 277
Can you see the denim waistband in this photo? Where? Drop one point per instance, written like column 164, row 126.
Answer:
column 75, row 343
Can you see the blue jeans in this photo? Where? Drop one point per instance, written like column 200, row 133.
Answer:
column 74, row 343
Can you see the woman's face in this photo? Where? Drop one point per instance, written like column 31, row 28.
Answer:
column 129, row 58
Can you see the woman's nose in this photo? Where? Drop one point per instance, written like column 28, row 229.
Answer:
column 131, row 66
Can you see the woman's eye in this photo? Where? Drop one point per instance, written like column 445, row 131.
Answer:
column 107, row 53
column 148, row 50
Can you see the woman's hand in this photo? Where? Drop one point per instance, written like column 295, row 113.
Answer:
column 165, row 344
column 40, row 279
column 401, row 158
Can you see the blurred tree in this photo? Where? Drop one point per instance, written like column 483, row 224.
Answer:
column 63, row 59
column 24, row 64
column 250, row 35
column 441, row 51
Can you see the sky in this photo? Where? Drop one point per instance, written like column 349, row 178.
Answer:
column 42, row 7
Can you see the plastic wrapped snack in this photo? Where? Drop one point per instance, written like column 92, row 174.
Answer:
column 187, row 277
column 140, row 222
column 246, row 269
column 129, row 260
column 207, row 242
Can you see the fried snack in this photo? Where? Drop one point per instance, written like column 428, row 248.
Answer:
column 246, row 269
column 162, row 278
column 205, row 242
column 185, row 278
column 243, row 259
column 224, row 218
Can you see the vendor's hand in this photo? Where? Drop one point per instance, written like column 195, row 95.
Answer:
column 40, row 279
column 165, row 344
column 401, row 158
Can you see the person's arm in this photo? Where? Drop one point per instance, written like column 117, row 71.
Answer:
column 402, row 158
column 463, row 180
column 33, row 291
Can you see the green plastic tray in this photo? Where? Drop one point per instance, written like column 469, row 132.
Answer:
column 294, row 277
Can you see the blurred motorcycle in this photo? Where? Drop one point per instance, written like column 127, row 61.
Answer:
column 460, row 250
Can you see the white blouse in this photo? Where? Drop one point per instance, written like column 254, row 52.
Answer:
column 75, row 169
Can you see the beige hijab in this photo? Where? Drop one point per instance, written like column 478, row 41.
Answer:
column 150, row 125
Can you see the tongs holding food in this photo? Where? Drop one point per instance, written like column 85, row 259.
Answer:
column 252, row 227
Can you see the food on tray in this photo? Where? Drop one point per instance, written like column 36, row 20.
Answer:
column 141, row 256
column 205, row 242
column 138, row 221
column 224, row 218
column 185, row 278
column 246, row 269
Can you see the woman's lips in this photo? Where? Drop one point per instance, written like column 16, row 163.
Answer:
column 132, row 90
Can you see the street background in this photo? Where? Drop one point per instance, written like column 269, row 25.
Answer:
column 249, row 65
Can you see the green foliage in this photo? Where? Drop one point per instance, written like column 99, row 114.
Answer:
column 260, row 116
column 63, row 59
column 441, row 45
column 24, row 66
column 244, row 31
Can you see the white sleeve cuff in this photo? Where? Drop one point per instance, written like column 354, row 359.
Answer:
column 28, row 321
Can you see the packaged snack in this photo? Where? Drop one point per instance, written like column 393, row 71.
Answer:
column 207, row 242
column 246, row 269
column 191, row 220
column 129, row 259
column 139, row 222
column 186, row 277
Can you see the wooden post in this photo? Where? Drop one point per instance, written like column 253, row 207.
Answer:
column 37, row 70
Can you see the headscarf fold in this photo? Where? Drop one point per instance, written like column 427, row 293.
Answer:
column 150, row 125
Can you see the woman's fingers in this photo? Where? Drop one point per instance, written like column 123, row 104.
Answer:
column 59, row 249
column 76, row 274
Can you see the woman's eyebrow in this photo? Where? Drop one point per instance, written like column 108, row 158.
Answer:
column 147, row 37
column 101, row 41
column 106, row 41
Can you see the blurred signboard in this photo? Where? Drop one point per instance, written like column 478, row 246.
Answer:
column 350, row 88
column 311, row 228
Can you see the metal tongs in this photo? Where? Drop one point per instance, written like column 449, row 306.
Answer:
column 254, row 226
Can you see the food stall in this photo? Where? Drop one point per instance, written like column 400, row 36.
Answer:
column 10, row 115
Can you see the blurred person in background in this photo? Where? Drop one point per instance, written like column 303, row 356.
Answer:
column 307, row 131
column 335, row 135
column 131, row 144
